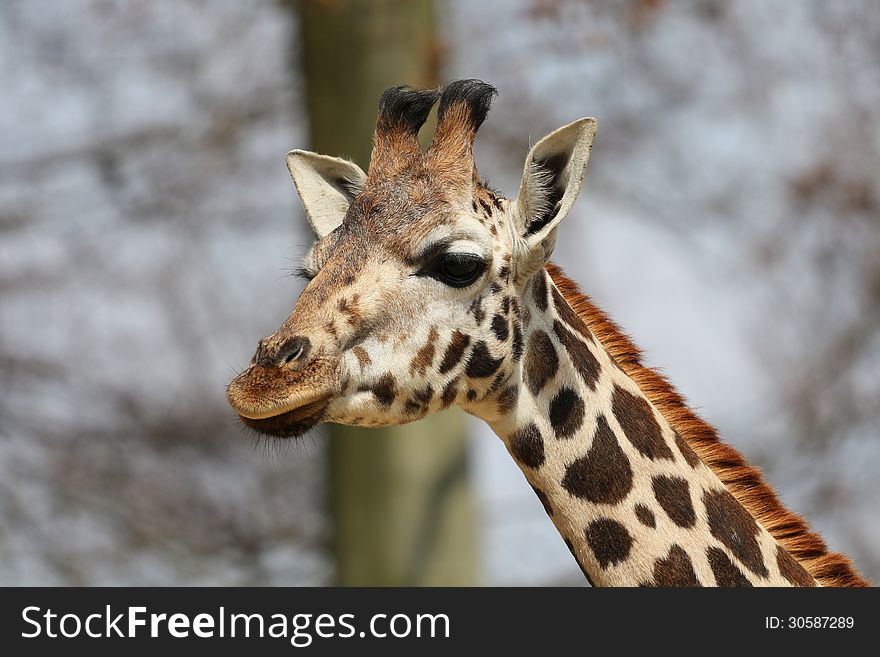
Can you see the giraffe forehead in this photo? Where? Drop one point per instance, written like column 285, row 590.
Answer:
column 406, row 198
column 398, row 227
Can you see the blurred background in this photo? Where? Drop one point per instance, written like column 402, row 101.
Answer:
column 730, row 221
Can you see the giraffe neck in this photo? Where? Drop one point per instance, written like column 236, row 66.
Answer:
column 633, row 502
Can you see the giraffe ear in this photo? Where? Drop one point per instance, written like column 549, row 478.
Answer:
column 326, row 186
column 550, row 185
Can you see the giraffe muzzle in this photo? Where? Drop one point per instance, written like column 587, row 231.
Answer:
column 286, row 387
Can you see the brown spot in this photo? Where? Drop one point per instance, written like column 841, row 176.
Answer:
column 505, row 305
column 609, row 541
column 603, row 474
column 474, row 205
column 726, row 573
column 637, row 421
column 420, row 401
column 645, row 516
column 349, row 307
column 384, row 389
column 500, row 378
column 527, row 445
column 541, row 362
column 481, row 364
column 674, row 497
column 566, row 412
column 494, row 287
column 471, row 395
column 450, row 392
column 515, row 305
column 454, row 351
column 690, row 456
column 568, row 315
column 493, row 230
column 581, row 357
column 791, row 569
column 504, row 272
column 675, row 570
column 425, row 356
column 477, row 311
column 539, row 289
column 330, row 327
column 362, row 356
column 486, row 209
column 545, row 502
column 500, row 328
column 517, row 341
column 507, row 399
column 731, row 524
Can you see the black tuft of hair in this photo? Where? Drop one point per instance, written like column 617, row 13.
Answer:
column 476, row 93
column 403, row 107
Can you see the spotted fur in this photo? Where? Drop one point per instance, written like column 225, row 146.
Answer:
column 745, row 482
column 640, row 489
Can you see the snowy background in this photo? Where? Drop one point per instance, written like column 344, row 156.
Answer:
column 730, row 221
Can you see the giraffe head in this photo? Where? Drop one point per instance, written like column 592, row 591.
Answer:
column 417, row 274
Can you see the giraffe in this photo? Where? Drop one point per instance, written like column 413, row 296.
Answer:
column 428, row 289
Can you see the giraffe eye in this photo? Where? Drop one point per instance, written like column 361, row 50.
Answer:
column 459, row 269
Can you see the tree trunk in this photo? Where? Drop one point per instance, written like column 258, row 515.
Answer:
column 400, row 497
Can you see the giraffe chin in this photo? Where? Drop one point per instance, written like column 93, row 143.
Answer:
column 290, row 424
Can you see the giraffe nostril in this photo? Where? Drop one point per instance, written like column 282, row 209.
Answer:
column 293, row 355
column 272, row 354
column 294, row 349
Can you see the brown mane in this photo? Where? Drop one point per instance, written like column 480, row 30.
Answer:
column 744, row 481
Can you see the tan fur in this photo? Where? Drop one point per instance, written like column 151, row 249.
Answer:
column 744, row 481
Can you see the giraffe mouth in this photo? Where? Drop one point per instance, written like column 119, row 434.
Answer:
column 288, row 424
column 281, row 403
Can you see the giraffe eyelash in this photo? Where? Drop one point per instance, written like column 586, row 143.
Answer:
column 305, row 273
column 307, row 270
